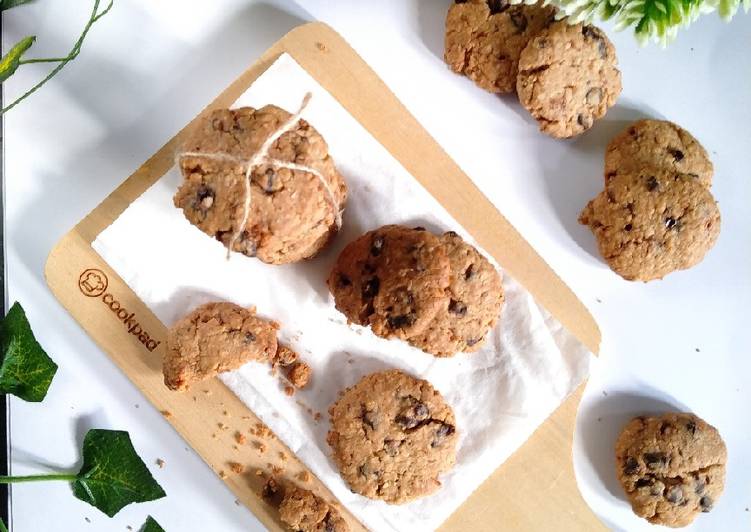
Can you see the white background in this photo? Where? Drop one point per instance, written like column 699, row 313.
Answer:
column 150, row 66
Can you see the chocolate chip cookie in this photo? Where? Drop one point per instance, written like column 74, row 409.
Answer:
column 392, row 435
column 484, row 39
column 472, row 306
column 672, row 467
column 658, row 144
column 303, row 511
column 393, row 279
column 214, row 338
column 568, row 78
column 292, row 213
column 651, row 222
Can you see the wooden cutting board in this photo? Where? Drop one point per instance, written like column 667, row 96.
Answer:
column 534, row 490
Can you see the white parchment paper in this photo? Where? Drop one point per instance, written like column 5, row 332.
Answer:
column 500, row 394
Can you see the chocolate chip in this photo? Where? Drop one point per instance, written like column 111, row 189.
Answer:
column 671, row 223
column 584, row 121
column 250, row 337
column 643, row 482
column 370, row 287
column 471, row 341
column 411, row 417
column 590, row 32
column 699, row 487
column 518, row 20
column 376, row 246
column 329, row 525
column 675, row 495
column 655, row 460
column 369, row 417
column 631, row 466
column 368, row 268
column 706, row 503
column 419, row 228
column 442, row 432
column 452, row 234
column 458, row 308
column 246, row 245
column 676, row 153
column 628, row 227
column 400, row 321
column 204, row 198
column 691, row 427
column 497, row 6
column 391, row 447
column 469, row 272
column 594, row 95
column 652, row 183
column 344, row 280
column 270, row 182
column 664, row 427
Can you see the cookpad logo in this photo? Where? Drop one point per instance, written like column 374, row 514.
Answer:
column 93, row 283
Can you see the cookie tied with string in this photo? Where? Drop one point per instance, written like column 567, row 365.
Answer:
column 262, row 182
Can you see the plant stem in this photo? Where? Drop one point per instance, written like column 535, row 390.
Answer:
column 2, row 526
column 63, row 60
column 70, row 477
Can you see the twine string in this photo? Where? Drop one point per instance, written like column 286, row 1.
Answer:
column 262, row 157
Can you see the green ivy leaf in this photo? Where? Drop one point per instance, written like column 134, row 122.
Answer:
column 112, row 475
column 26, row 370
column 9, row 62
column 7, row 4
column 151, row 525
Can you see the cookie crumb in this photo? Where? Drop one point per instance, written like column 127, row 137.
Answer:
column 604, row 393
column 89, row 520
column 289, row 391
column 598, row 300
column 304, row 476
column 260, row 446
column 317, row 417
column 166, row 413
column 272, row 492
column 128, row 527
column 236, row 467
column 161, row 463
column 240, row 438
column 136, row 405
column 299, row 374
column 697, row 350
column 222, row 474
column 237, row 502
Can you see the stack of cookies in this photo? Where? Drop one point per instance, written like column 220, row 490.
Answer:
column 656, row 214
column 436, row 292
column 280, row 202
column 565, row 74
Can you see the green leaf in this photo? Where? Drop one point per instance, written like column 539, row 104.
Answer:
column 26, row 370
column 7, row 4
column 9, row 62
column 113, row 475
column 151, row 525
